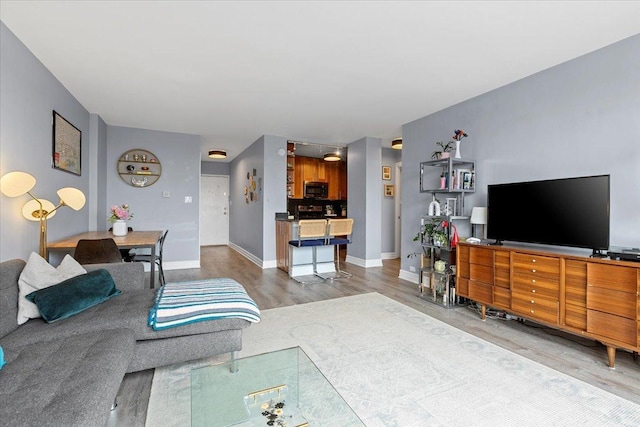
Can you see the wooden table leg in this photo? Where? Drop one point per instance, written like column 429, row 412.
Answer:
column 483, row 312
column 611, row 355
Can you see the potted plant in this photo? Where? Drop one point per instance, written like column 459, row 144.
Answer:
column 444, row 152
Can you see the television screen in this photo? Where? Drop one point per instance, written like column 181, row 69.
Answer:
column 565, row 212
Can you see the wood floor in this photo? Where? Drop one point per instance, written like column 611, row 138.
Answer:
column 271, row 288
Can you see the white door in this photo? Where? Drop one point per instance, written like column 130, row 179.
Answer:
column 214, row 210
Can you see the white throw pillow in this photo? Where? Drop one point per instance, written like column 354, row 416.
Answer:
column 39, row 274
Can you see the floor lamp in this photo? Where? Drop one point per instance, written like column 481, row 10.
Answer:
column 15, row 184
column 479, row 217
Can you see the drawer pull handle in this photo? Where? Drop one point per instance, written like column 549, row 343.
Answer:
column 533, row 290
column 533, row 271
column 532, row 311
column 533, row 302
column 533, row 260
column 533, row 280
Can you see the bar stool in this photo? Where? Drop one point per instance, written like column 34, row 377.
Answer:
column 312, row 234
column 339, row 232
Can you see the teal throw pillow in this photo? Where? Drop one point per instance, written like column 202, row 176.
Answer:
column 74, row 295
column 2, row 362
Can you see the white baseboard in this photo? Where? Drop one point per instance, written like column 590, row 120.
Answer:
column 389, row 255
column 366, row 263
column 410, row 277
column 254, row 259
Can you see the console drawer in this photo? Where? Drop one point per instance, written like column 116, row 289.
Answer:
column 548, row 266
column 481, row 273
column 481, row 256
column 501, row 298
column 622, row 304
column 575, row 281
column 529, row 285
column 536, row 307
column 624, row 279
column 611, row 326
column 481, row 292
column 576, row 316
column 462, row 287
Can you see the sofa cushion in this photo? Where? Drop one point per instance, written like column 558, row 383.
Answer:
column 39, row 274
column 74, row 295
column 67, row 382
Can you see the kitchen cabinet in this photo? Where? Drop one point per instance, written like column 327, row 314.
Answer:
column 317, row 170
column 283, row 235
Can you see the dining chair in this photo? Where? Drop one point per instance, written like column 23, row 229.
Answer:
column 145, row 256
column 126, row 256
column 97, row 251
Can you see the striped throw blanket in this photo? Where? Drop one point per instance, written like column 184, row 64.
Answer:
column 182, row 303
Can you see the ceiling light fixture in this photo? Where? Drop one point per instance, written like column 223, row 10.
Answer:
column 397, row 144
column 217, row 154
column 332, row 157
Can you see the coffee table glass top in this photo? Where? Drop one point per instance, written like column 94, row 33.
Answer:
column 280, row 388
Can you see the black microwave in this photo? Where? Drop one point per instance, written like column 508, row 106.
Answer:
column 316, row 190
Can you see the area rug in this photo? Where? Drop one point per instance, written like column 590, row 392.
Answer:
column 398, row 367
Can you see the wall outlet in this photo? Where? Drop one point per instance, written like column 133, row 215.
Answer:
column 188, row 199
column 166, row 194
column 412, row 269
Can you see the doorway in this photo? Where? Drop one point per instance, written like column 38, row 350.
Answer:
column 214, row 210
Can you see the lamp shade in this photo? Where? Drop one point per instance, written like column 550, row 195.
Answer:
column 479, row 216
column 16, row 184
column 397, row 144
column 217, row 154
column 332, row 157
column 72, row 197
column 31, row 210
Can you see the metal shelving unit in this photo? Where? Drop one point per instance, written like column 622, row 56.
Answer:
column 459, row 179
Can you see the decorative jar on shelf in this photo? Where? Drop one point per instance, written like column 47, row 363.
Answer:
column 120, row 228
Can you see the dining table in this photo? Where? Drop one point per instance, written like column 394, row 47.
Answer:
column 133, row 239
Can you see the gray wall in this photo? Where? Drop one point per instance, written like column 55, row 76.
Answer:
column 578, row 118
column 214, row 168
column 388, row 218
column 179, row 155
column 252, row 225
column 29, row 94
column 364, row 167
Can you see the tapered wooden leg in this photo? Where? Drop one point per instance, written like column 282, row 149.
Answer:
column 611, row 355
column 483, row 312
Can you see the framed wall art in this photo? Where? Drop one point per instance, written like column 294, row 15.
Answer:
column 67, row 145
column 388, row 190
column 386, row 173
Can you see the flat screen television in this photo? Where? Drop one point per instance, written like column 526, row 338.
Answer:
column 565, row 212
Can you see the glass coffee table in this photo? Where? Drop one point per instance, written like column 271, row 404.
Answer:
column 280, row 388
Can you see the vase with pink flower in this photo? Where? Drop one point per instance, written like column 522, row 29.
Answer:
column 120, row 214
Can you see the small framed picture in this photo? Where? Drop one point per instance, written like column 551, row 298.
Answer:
column 386, row 173
column 450, row 207
column 388, row 190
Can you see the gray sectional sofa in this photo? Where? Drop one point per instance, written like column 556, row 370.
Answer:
column 68, row 373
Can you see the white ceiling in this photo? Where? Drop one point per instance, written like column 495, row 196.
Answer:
column 321, row 72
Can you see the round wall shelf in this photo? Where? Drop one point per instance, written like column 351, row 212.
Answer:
column 139, row 168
